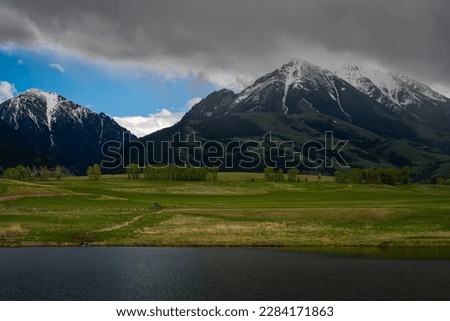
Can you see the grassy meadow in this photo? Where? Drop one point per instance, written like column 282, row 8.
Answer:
column 239, row 209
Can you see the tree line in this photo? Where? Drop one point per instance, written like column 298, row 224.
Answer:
column 442, row 181
column 25, row 173
column 172, row 173
column 389, row 176
column 273, row 175
column 133, row 171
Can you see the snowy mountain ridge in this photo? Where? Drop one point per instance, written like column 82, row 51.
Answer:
column 300, row 84
column 50, row 105
column 396, row 90
column 387, row 119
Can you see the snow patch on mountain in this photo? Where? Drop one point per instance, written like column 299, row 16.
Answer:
column 51, row 101
column 34, row 119
column 337, row 99
column 292, row 74
column 80, row 113
column 16, row 113
column 100, row 137
column 250, row 91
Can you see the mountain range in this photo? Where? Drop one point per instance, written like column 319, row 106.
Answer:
column 388, row 119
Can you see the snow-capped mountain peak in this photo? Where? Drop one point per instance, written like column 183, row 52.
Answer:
column 397, row 91
column 51, row 102
column 285, row 90
column 297, row 74
column 47, row 107
column 299, row 85
column 45, row 112
column 299, row 66
column 49, row 97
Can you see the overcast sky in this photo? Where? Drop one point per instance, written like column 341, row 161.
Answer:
column 232, row 42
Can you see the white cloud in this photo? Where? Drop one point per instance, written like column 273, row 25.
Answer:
column 7, row 91
column 141, row 126
column 57, row 67
column 20, row 62
column 262, row 35
column 193, row 102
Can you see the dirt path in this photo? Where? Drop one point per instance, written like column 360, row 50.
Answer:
column 122, row 225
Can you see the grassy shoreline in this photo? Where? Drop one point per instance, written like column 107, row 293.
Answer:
column 238, row 210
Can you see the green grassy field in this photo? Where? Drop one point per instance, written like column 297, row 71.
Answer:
column 233, row 211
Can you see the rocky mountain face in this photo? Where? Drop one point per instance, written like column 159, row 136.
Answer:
column 389, row 119
column 62, row 130
column 16, row 149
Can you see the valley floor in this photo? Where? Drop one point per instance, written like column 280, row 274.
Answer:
column 239, row 209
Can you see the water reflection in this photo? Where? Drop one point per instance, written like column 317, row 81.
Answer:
column 218, row 274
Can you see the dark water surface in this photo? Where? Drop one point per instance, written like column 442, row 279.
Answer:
column 214, row 274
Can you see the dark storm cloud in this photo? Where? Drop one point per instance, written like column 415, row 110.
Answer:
column 220, row 40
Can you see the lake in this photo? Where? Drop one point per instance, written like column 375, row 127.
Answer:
column 127, row 273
